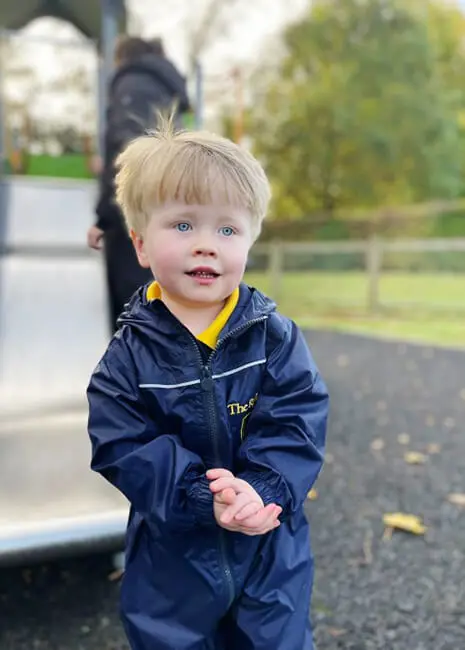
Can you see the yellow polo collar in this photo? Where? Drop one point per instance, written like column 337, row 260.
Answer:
column 211, row 335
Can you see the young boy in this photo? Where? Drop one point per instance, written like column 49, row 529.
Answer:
column 207, row 412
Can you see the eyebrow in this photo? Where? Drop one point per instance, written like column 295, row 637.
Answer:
column 187, row 214
column 219, row 217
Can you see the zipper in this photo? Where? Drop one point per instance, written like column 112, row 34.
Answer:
column 206, row 385
column 237, row 331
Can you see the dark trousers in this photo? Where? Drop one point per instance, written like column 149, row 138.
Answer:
column 124, row 273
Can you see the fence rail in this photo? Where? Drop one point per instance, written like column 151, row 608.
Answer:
column 373, row 249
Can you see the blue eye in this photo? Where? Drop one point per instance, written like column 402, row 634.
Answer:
column 227, row 231
column 183, row 227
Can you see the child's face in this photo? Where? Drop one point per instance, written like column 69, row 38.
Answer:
column 197, row 253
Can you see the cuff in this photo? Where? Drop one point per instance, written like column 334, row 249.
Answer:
column 267, row 486
column 201, row 498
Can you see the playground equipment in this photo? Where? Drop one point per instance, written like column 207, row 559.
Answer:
column 53, row 328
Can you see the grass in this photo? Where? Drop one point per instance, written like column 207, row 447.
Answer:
column 66, row 166
column 337, row 301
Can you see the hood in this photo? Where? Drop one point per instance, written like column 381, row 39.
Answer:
column 153, row 317
column 163, row 72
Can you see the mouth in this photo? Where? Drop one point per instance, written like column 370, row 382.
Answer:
column 203, row 272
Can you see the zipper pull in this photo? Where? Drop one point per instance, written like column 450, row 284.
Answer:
column 206, row 383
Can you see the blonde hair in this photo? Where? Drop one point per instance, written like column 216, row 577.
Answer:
column 192, row 167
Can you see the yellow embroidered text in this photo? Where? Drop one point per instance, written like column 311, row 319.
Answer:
column 235, row 408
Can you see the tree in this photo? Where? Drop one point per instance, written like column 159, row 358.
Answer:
column 358, row 113
column 203, row 23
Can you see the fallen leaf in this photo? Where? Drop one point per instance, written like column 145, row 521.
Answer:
column 433, row 448
column 368, row 547
column 415, row 458
column 387, row 535
column 407, row 523
column 403, row 439
column 457, row 499
column 335, row 632
column 377, row 444
column 312, row 495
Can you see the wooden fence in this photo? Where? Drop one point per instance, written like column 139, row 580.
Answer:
column 373, row 250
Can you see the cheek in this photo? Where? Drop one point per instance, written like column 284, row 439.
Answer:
column 163, row 251
column 236, row 257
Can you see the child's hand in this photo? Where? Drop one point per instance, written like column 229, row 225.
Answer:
column 264, row 521
column 222, row 501
column 241, row 506
column 227, row 498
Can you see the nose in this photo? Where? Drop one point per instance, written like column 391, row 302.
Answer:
column 204, row 249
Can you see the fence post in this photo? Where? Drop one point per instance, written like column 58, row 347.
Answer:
column 275, row 269
column 374, row 259
column 3, row 152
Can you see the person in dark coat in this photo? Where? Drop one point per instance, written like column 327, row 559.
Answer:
column 144, row 82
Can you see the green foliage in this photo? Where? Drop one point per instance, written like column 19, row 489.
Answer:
column 366, row 107
column 64, row 166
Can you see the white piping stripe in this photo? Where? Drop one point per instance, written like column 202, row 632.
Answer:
column 260, row 362
column 185, row 383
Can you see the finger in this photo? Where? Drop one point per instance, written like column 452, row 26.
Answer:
column 94, row 242
column 237, row 484
column 240, row 500
column 213, row 474
column 265, row 528
column 231, row 511
column 269, row 524
column 257, row 521
column 264, row 517
column 255, row 532
column 248, row 510
column 219, row 498
column 220, row 484
column 228, row 496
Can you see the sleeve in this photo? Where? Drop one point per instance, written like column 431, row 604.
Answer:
column 161, row 479
column 282, row 454
column 107, row 212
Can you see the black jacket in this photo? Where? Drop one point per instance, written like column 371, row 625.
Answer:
column 137, row 90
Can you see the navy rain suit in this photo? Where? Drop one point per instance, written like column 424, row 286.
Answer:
column 160, row 416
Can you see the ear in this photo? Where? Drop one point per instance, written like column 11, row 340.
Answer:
column 138, row 242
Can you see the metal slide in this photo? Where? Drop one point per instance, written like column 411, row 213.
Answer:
column 53, row 329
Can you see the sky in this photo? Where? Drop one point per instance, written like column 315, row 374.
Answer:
column 247, row 31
